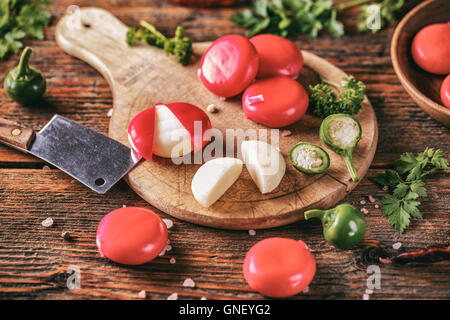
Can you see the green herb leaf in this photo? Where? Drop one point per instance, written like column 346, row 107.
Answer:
column 407, row 183
column 11, row 42
column 325, row 103
column 290, row 17
column 179, row 45
column 21, row 18
column 310, row 17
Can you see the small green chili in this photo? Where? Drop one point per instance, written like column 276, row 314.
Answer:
column 24, row 83
column 309, row 158
column 343, row 226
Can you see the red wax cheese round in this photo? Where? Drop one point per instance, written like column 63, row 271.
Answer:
column 169, row 130
column 431, row 48
column 131, row 235
column 279, row 267
column 275, row 102
column 445, row 92
column 278, row 56
column 229, row 65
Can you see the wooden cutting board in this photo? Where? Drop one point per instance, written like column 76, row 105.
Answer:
column 142, row 76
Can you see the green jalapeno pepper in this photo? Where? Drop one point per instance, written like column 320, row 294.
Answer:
column 309, row 158
column 341, row 133
column 343, row 226
column 24, row 83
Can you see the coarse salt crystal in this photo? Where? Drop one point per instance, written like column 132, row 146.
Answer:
column 211, row 108
column 203, row 298
column 168, row 247
column 365, row 297
column 377, row 206
column 397, row 245
column 364, row 210
column 142, row 294
column 173, row 296
column 47, row 222
column 189, row 283
column 286, row 133
column 66, row 235
column 251, row 232
column 124, row 206
column 172, row 260
column 362, row 202
column 110, row 112
column 168, row 222
column 306, row 290
column 369, row 291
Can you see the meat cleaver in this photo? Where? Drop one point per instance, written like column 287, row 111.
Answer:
column 95, row 160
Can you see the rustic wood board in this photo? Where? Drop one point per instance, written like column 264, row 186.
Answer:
column 142, row 76
column 34, row 259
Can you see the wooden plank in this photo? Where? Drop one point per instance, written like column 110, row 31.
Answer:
column 34, row 259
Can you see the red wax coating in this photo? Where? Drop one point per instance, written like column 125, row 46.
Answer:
column 278, row 56
column 229, row 65
column 431, row 48
column 142, row 127
column 141, row 131
column 445, row 91
column 275, row 102
column 188, row 114
column 131, row 235
column 279, row 267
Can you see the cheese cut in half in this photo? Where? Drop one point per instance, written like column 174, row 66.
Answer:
column 171, row 139
column 214, row 178
column 169, row 130
column 265, row 164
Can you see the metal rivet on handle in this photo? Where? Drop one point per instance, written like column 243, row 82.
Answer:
column 16, row 132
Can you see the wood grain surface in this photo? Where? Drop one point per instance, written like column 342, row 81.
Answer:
column 142, row 76
column 34, row 260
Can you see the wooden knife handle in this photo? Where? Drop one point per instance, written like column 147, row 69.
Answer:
column 15, row 136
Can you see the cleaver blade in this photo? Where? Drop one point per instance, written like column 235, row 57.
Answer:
column 92, row 158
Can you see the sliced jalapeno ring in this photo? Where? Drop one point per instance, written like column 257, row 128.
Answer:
column 309, row 158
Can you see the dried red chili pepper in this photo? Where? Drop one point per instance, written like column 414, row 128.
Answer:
column 431, row 254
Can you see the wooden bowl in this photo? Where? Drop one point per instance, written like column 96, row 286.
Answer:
column 423, row 87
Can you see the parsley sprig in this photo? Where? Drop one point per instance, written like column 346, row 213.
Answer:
column 179, row 45
column 21, row 18
column 324, row 102
column 290, row 17
column 406, row 184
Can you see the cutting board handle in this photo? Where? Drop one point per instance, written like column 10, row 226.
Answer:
column 15, row 136
column 97, row 37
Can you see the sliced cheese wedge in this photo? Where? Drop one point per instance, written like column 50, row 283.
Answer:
column 171, row 139
column 214, row 178
column 265, row 164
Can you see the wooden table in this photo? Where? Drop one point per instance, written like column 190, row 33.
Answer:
column 34, row 260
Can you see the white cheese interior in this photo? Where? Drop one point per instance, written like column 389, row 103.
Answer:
column 214, row 178
column 265, row 164
column 171, row 139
